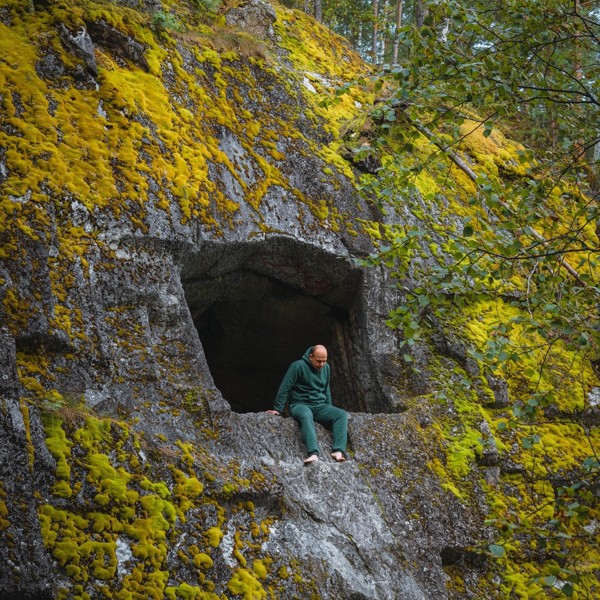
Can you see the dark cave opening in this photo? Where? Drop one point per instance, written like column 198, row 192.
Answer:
column 252, row 335
column 252, row 324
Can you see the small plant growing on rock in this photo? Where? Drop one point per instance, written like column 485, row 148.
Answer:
column 164, row 21
column 209, row 5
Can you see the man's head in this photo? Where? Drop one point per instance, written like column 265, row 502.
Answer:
column 318, row 357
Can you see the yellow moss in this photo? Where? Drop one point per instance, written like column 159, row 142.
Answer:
column 17, row 310
column 64, row 533
column 427, row 185
column 228, row 489
column 59, row 446
column 27, row 422
column 252, row 129
column 189, row 592
column 462, row 453
column 259, row 568
column 283, row 573
column 542, row 365
column 159, row 488
column 243, row 583
column 186, row 490
column 4, row 523
column 95, row 433
column 213, row 536
column 61, row 489
column 237, row 549
column 333, row 158
column 111, row 482
column 371, row 228
column 203, row 561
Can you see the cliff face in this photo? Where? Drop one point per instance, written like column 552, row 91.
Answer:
column 177, row 225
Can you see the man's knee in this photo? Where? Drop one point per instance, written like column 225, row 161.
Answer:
column 341, row 415
column 301, row 413
column 332, row 415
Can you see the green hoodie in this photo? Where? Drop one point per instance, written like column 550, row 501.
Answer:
column 303, row 383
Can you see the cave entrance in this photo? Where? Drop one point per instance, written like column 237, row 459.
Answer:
column 254, row 331
column 259, row 306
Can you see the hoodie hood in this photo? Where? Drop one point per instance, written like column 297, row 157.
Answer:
column 307, row 354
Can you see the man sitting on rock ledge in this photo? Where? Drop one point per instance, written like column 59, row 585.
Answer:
column 306, row 386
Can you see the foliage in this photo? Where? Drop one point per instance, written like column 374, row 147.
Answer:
column 359, row 20
column 518, row 227
column 499, row 65
column 211, row 6
column 561, row 537
column 534, row 62
column 164, row 21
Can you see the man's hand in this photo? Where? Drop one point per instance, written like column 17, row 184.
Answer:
column 272, row 412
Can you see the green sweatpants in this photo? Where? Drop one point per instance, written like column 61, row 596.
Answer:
column 329, row 416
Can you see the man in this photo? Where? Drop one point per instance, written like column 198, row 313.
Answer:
column 306, row 386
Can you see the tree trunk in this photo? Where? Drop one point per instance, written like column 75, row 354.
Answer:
column 595, row 184
column 421, row 11
column 398, row 26
column 375, row 30
column 383, row 31
column 319, row 10
column 444, row 31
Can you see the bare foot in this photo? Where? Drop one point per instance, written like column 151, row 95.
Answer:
column 311, row 459
column 338, row 457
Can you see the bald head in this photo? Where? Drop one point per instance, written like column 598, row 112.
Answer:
column 318, row 356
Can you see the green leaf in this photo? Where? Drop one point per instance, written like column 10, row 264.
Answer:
column 496, row 550
column 530, row 441
column 423, row 300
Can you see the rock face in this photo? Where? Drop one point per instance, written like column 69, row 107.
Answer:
column 23, row 556
column 254, row 16
column 177, row 227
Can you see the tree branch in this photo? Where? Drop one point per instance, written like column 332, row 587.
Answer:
column 459, row 162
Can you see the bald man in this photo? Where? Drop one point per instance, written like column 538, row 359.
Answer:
column 306, row 386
